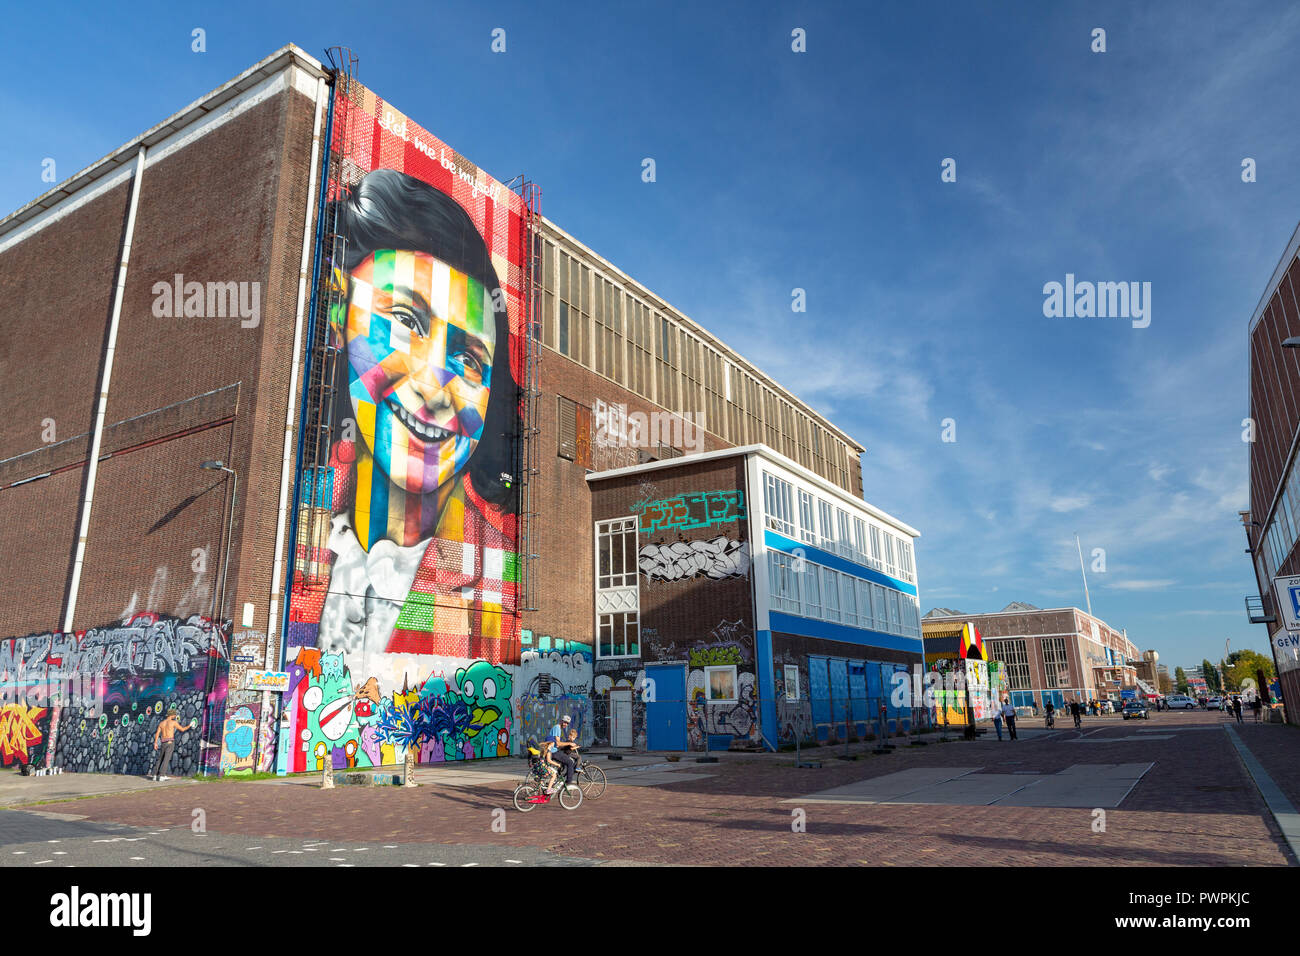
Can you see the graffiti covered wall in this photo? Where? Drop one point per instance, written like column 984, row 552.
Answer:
column 695, row 598
column 91, row 701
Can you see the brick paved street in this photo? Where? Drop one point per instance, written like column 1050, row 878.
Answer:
column 1196, row 805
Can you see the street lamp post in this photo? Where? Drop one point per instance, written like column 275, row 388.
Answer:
column 219, row 616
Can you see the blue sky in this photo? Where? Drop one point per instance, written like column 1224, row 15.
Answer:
column 821, row 171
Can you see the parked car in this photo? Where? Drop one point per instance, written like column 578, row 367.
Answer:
column 1137, row 708
column 1214, row 703
column 1180, row 702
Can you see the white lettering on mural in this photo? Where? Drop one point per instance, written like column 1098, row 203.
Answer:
column 395, row 123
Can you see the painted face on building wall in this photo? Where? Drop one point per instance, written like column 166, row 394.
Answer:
column 420, row 340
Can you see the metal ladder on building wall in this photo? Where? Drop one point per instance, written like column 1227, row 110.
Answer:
column 315, row 488
column 528, row 452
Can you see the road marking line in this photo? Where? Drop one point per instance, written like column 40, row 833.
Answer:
column 39, row 862
column 19, row 852
column 469, row 864
column 137, row 858
column 437, row 864
column 514, row 861
column 336, row 859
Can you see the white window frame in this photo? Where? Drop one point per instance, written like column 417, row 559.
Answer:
column 849, row 600
column 617, row 529
column 830, row 589
column 791, row 680
column 708, row 684
column 807, row 517
column 780, row 573
column 826, row 521
column 778, row 503
column 843, row 533
column 867, row 616
column 860, row 540
column 812, row 606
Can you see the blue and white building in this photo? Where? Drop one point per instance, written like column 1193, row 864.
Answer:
column 836, row 605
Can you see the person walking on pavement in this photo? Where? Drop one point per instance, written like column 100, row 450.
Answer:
column 1236, row 708
column 997, row 720
column 166, row 735
column 1256, row 705
column 1009, row 715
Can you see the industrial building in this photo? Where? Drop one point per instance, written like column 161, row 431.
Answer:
column 1056, row 655
column 1272, row 522
column 347, row 452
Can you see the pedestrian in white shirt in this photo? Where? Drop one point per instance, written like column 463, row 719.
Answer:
column 1009, row 715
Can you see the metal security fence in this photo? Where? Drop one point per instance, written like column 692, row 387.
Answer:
column 635, row 722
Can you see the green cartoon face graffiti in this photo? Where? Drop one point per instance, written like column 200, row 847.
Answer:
column 329, row 702
column 485, row 688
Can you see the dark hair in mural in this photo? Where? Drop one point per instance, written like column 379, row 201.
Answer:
column 388, row 209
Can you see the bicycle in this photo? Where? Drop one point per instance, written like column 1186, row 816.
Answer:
column 533, row 791
column 590, row 778
column 1051, row 720
column 587, row 775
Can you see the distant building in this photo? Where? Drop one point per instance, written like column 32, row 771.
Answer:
column 1055, row 655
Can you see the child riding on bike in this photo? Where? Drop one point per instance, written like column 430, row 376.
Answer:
column 539, row 756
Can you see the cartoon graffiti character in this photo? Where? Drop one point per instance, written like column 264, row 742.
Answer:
column 366, row 711
column 330, row 703
column 485, row 689
column 503, row 743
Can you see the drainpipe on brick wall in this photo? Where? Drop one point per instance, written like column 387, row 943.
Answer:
column 290, row 422
column 92, row 468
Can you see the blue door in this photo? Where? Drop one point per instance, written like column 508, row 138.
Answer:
column 665, row 716
column 840, row 696
column 819, row 695
column 858, row 696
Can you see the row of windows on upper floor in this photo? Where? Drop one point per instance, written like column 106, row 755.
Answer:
column 808, row 589
column 833, row 529
column 599, row 324
column 1283, row 528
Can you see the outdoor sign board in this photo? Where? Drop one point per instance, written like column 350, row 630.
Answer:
column 274, row 681
column 1287, row 591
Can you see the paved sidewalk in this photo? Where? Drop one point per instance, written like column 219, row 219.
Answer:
column 1195, row 806
column 17, row 790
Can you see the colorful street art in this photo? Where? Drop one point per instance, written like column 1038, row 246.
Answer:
column 404, row 622
column 686, row 512
column 23, row 733
column 336, row 722
column 238, row 739
column 101, row 694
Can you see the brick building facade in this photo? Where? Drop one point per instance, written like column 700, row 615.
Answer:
column 211, row 299
column 1058, row 654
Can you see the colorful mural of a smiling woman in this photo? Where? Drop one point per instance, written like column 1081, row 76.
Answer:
column 415, row 595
